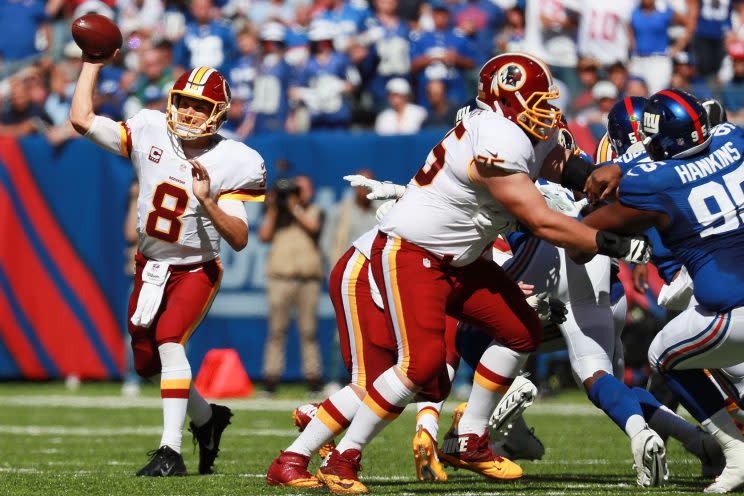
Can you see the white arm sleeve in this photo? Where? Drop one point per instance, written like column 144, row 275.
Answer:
column 107, row 134
column 234, row 208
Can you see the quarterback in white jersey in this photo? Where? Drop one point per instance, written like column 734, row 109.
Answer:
column 193, row 183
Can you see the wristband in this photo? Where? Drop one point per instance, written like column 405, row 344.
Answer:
column 575, row 172
column 612, row 245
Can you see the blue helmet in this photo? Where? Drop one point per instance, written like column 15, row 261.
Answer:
column 675, row 124
column 624, row 123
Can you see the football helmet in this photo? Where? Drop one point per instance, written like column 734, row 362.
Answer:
column 675, row 125
column 521, row 85
column 565, row 137
column 624, row 123
column 716, row 113
column 201, row 83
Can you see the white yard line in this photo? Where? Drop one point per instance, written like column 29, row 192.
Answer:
column 60, row 430
column 265, row 405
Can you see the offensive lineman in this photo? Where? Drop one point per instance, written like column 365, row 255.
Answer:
column 193, row 184
column 485, row 165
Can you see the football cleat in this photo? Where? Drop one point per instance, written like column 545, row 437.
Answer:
column 164, row 462
column 290, row 470
column 338, row 472
column 208, row 436
column 649, row 458
column 302, row 415
column 520, row 443
column 471, row 452
column 428, row 466
column 707, row 449
column 521, row 394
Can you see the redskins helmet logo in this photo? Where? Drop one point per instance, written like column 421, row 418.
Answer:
column 511, row 77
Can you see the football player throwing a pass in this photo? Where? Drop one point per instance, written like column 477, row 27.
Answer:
column 193, row 184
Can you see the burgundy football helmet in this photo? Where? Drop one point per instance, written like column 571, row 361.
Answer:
column 201, row 83
column 521, row 85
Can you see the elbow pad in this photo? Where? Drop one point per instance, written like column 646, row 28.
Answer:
column 575, row 172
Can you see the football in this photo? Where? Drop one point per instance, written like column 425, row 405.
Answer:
column 96, row 35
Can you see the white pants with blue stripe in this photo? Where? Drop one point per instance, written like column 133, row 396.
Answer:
column 698, row 338
column 584, row 289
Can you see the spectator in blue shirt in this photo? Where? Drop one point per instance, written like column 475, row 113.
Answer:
column 206, row 42
column 732, row 95
column 441, row 54
column 712, row 31
column 479, row 21
column 20, row 22
column 242, row 71
column 650, row 43
column 686, row 78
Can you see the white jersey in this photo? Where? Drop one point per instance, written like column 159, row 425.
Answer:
column 436, row 212
column 172, row 225
column 603, row 30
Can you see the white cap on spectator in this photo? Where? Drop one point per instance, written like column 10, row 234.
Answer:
column 399, row 86
column 272, row 31
column 93, row 6
column 320, row 30
column 604, row 89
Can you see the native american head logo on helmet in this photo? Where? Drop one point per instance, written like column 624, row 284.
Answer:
column 205, row 85
column 520, row 86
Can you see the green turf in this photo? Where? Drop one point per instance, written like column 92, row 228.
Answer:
column 61, row 450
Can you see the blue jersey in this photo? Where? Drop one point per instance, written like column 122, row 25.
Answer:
column 650, row 31
column 714, row 18
column 435, row 43
column 211, row 45
column 270, row 101
column 704, row 200
column 331, row 107
column 19, row 22
column 348, row 19
column 241, row 76
column 389, row 56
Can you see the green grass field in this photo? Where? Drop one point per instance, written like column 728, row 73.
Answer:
column 91, row 442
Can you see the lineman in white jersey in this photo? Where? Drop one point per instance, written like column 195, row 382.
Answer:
column 193, row 184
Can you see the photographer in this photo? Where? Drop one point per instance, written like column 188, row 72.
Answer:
column 294, row 274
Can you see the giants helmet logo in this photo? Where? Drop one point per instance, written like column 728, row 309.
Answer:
column 511, row 77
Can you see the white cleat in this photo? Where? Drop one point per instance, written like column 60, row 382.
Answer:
column 521, row 394
column 649, row 459
column 732, row 475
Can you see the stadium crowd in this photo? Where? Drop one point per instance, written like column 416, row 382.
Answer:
column 394, row 66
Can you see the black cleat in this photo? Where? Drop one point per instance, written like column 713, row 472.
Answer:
column 208, row 436
column 164, row 462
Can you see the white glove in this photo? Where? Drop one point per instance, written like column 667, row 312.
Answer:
column 384, row 208
column 154, row 276
column 377, row 190
column 486, row 227
column 639, row 252
column 558, row 201
column 677, row 295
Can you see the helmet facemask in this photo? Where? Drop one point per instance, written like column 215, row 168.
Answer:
column 189, row 126
column 539, row 118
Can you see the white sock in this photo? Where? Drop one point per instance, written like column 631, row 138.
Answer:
column 634, row 425
column 175, row 383
column 333, row 416
column 197, row 408
column 428, row 417
column 494, row 374
column 384, row 401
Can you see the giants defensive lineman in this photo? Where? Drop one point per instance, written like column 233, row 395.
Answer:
column 193, row 184
column 426, row 270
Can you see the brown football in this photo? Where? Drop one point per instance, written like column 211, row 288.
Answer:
column 96, row 35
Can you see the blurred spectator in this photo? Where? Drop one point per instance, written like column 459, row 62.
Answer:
column 604, row 94
column 144, row 16
column 442, row 113
column 263, row 11
column 650, row 44
column 550, row 33
column 294, row 273
column 588, row 71
column 269, row 110
column 617, row 74
column 603, row 30
column 297, row 42
column 732, row 95
column 388, row 50
column 206, row 42
column 712, row 32
column 242, row 72
column 24, row 32
column 479, row 21
column 402, row 117
column 20, row 116
column 326, row 82
column 636, row 87
column 152, row 83
column 441, row 54
column 512, row 37
column 346, row 17
column 61, row 85
column 353, row 216
column 685, row 77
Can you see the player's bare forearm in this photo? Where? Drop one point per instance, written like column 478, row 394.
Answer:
column 81, row 107
column 231, row 228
